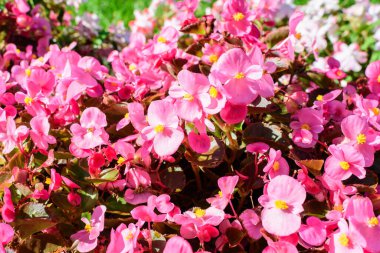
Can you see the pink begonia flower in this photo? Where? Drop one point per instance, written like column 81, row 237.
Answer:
column 258, row 147
column 177, row 244
column 324, row 99
column 334, row 71
column 373, row 74
column 88, row 238
column 307, row 127
column 277, row 165
column 313, row 234
column 218, row 99
column 349, row 56
column 237, row 17
column 161, row 203
column 165, row 41
column 55, row 181
column 233, row 114
column 223, row 228
column 239, row 75
column 211, row 53
column 200, row 143
column 358, row 133
column 359, row 211
column 40, row 82
column 163, row 128
column 368, row 109
column 8, row 210
column 191, row 95
column 280, row 247
column 200, row 223
column 6, row 236
column 346, row 239
column 124, row 239
column 252, row 223
column 147, row 214
column 40, row 132
column 344, row 161
column 90, row 132
column 282, row 204
column 12, row 136
column 74, row 198
column 227, row 186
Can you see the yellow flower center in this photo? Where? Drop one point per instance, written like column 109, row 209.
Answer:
column 280, row 204
column 344, row 165
column 126, row 116
column 306, row 127
column 120, row 160
column 188, row 97
column 90, row 130
column 298, row 36
column 28, row 72
column 239, row 75
column 378, row 79
column 28, row 100
column 319, row 97
column 48, row 180
column 132, row 67
column 88, row 228
column 129, row 236
column 373, row 222
column 276, row 166
column 161, row 39
column 213, row 58
column 343, row 240
column 220, row 193
column 361, row 138
column 375, row 111
column 238, row 16
column 199, row 212
column 213, row 92
column 18, row 51
column 159, row 128
column 339, row 72
column 338, row 208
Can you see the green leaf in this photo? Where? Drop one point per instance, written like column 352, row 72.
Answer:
column 107, row 175
column 44, row 243
column 117, row 204
column 89, row 197
column 27, row 227
column 34, row 210
column 301, row 2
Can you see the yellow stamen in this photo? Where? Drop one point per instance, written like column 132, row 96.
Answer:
column 373, row 222
column 199, row 212
column 132, row 67
column 41, row 59
column 48, row 181
column 18, row 51
column 361, row 138
column 306, row 127
column 239, row 75
column 375, row 111
column 126, row 116
column 213, row 92
column 298, row 36
column 319, row 97
column 120, row 160
column 159, row 128
column 188, row 97
column 129, row 236
column 28, row 100
column 90, row 130
column 276, row 166
column 220, row 193
column 238, row 16
column 28, row 72
column 213, row 58
column 339, row 72
column 88, row 228
column 378, row 79
column 161, row 39
column 280, row 204
column 338, row 208
column 343, row 240
column 344, row 165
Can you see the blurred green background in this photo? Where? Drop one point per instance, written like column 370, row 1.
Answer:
column 112, row 11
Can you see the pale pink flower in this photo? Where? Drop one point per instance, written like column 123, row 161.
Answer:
column 227, row 186
column 346, row 240
column 163, row 128
column 165, row 41
column 373, row 74
column 40, row 132
column 237, row 17
column 6, row 236
column 280, row 247
column 252, row 223
column 12, row 136
column 90, row 132
column 88, row 238
column 282, row 204
column 344, row 161
column 314, row 233
column 124, row 239
column 277, row 165
column 191, row 95
column 239, row 75
column 177, row 244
